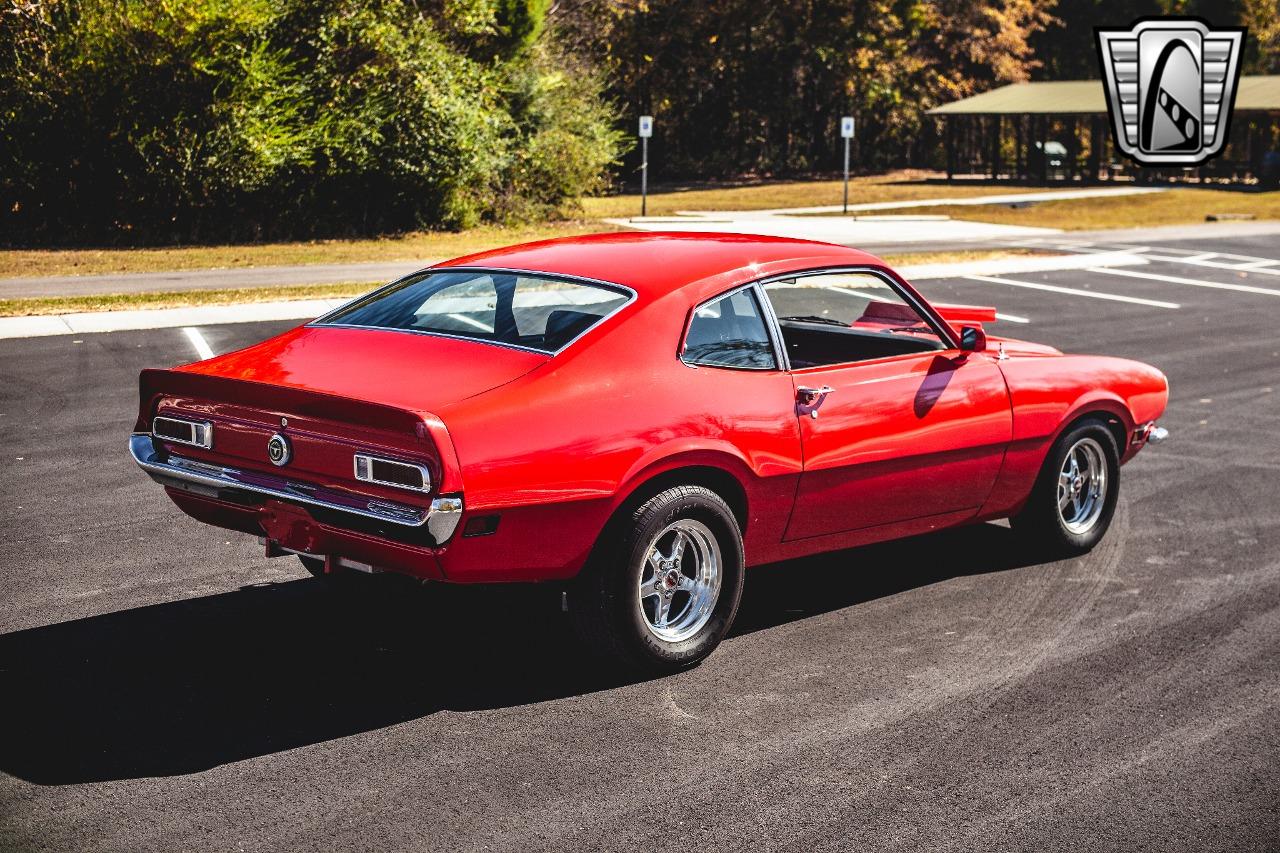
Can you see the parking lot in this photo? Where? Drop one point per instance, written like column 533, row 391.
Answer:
column 166, row 687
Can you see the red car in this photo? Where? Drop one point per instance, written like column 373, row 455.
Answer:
column 640, row 417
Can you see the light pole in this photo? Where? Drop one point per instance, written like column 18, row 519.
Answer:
column 646, row 130
column 846, row 130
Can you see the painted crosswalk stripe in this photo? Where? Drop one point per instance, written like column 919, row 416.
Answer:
column 1256, row 265
column 1073, row 291
column 1193, row 282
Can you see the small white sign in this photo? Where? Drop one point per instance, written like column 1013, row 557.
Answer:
column 846, row 127
column 646, row 126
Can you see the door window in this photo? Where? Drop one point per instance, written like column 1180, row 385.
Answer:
column 836, row 318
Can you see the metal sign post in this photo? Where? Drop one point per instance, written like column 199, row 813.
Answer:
column 846, row 130
column 646, row 130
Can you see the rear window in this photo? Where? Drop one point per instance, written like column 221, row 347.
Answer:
column 536, row 312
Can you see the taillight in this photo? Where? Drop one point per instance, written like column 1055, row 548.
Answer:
column 195, row 433
column 389, row 472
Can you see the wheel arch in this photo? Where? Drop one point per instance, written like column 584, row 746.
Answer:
column 1111, row 411
column 714, row 475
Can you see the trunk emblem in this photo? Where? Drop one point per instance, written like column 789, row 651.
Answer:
column 278, row 449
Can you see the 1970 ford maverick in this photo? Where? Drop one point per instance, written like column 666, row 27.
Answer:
column 640, row 417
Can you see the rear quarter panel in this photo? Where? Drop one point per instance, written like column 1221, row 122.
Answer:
column 556, row 451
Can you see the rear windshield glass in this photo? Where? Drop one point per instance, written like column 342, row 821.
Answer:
column 530, row 311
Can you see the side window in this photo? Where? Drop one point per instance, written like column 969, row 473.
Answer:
column 844, row 298
column 730, row 332
column 844, row 317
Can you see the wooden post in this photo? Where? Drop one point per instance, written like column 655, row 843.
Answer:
column 1257, row 143
column 950, row 142
column 1019, row 155
column 997, row 127
column 1042, row 123
column 1095, row 144
column 1073, row 148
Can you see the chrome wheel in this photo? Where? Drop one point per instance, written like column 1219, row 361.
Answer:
column 680, row 580
column 1082, row 486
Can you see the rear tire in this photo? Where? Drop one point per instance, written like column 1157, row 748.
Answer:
column 1075, row 496
column 662, row 590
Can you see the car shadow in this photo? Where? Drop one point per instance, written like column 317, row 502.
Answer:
column 181, row 687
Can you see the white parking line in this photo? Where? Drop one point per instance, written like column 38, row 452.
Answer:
column 1072, row 291
column 198, row 341
column 1011, row 318
column 1194, row 282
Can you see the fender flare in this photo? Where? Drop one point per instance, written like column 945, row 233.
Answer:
column 719, row 456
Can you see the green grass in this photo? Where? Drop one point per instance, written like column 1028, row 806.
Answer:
column 904, row 185
column 342, row 290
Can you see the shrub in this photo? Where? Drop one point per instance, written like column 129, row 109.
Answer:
column 140, row 122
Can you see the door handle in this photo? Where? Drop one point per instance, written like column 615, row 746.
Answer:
column 811, row 398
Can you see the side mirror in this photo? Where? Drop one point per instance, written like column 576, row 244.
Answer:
column 972, row 339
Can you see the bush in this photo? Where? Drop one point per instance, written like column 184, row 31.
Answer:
column 209, row 120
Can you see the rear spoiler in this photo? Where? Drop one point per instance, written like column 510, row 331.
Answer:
column 966, row 313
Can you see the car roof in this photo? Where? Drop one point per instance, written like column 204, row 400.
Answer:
column 655, row 263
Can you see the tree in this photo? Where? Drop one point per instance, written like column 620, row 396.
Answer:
column 202, row 119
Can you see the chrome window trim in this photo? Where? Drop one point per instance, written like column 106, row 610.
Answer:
column 441, row 519
column 931, row 317
column 779, row 357
column 630, row 293
column 207, row 425
column 775, row 327
column 370, row 459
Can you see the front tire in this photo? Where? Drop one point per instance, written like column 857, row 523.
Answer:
column 662, row 591
column 1075, row 496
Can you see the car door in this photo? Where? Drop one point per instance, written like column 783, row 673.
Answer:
column 895, row 422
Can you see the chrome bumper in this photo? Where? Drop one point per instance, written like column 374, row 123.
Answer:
column 201, row 478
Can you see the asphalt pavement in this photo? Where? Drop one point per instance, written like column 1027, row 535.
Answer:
column 168, row 688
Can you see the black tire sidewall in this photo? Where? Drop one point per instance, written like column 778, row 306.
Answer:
column 1042, row 510
column 655, row 514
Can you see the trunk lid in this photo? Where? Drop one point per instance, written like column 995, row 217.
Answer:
column 331, row 394
column 402, row 369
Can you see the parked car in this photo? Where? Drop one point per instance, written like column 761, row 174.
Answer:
column 640, row 417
